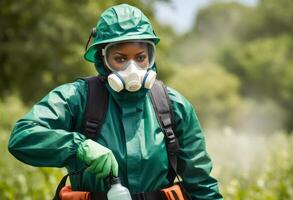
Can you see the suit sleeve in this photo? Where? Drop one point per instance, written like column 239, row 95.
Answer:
column 44, row 137
column 194, row 163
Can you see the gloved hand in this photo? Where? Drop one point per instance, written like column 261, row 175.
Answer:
column 100, row 159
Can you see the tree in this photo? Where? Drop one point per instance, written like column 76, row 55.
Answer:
column 217, row 26
column 253, row 43
column 277, row 17
column 42, row 43
column 212, row 91
column 264, row 67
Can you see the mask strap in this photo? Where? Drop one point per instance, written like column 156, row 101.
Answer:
column 93, row 34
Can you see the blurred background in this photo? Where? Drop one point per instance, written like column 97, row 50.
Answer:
column 233, row 60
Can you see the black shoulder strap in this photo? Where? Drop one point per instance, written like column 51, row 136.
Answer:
column 163, row 109
column 96, row 106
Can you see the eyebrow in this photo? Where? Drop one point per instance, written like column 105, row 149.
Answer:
column 143, row 51
column 122, row 54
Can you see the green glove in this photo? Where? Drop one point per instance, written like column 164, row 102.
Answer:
column 100, row 159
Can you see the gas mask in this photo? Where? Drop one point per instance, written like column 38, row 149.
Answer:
column 130, row 63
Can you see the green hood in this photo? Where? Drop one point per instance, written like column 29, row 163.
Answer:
column 120, row 23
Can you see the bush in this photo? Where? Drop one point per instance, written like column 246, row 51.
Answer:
column 17, row 180
column 253, row 167
column 212, row 91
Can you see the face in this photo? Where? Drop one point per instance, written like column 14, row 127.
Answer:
column 120, row 54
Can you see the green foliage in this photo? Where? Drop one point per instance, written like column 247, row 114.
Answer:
column 264, row 67
column 253, row 166
column 17, row 180
column 222, row 20
column 275, row 18
column 217, row 26
column 42, row 43
column 212, row 91
column 254, row 43
column 265, row 64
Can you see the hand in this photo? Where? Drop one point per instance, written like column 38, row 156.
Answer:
column 100, row 159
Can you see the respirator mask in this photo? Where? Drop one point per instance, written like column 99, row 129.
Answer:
column 130, row 63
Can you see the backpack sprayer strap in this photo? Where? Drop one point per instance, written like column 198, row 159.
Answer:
column 96, row 107
column 163, row 109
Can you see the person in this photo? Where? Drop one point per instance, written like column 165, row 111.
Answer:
column 131, row 144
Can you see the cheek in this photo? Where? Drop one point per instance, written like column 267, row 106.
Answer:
column 145, row 63
column 114, row 65
column 111, row 62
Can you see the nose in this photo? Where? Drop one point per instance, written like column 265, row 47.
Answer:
column 133, row 82
column 132, row 66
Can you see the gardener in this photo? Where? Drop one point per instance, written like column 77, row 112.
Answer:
column 131, row 143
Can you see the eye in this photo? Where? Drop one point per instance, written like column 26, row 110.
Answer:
column 119, row 59
column 141, row 58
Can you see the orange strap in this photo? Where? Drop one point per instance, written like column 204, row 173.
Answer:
column 173, row 193
column 66, row 193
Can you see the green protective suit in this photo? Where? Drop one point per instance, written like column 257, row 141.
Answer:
column 49, row 136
